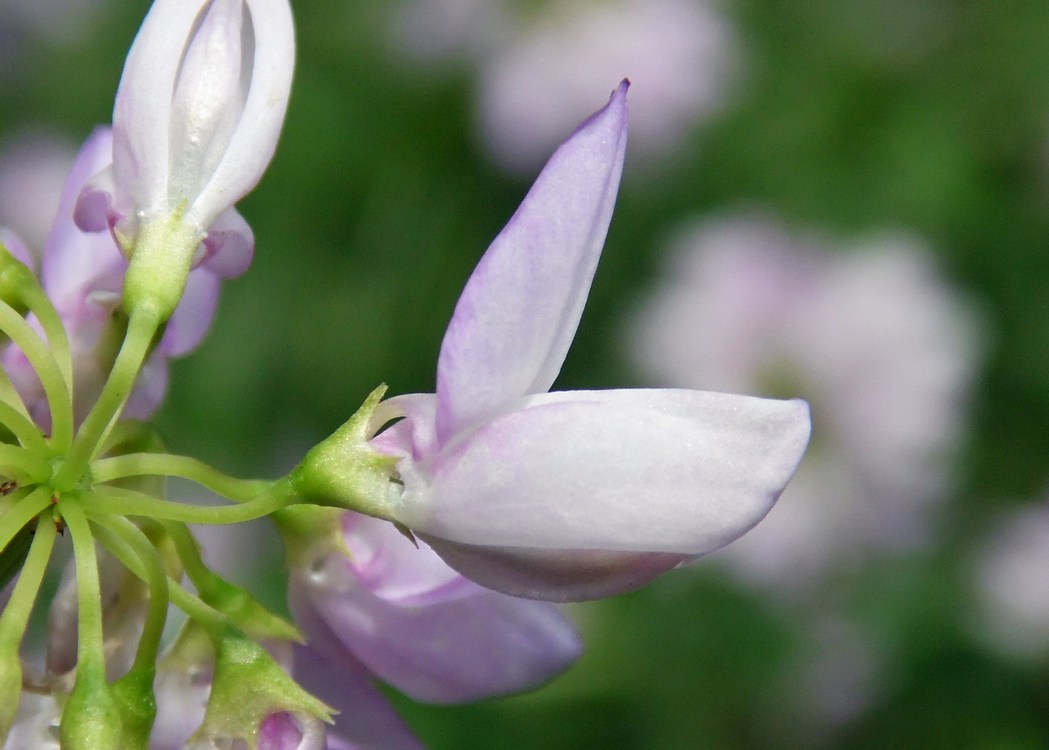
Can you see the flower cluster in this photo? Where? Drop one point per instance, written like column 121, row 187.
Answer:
column 425, row 539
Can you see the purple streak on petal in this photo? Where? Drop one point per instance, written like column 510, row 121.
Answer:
column 520, row 309
column 682, row 472
column 279, row 731
column 365, row 718
column 555, row 575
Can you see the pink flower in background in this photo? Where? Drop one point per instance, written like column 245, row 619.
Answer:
column 874, row 337
column 33, row 169
column 1010, row 577
column 538, row 70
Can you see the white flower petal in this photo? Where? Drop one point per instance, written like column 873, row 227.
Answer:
column 520, row 309
column 682, row 472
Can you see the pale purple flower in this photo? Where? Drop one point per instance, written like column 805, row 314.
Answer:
column 1010, row 577
column 382, row 606
column 576, row 494
column 82, row 273
column 33, row 168
column 883, row 347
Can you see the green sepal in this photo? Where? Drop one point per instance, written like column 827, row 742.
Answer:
column 344, row 470
column 138, row 706
column 246, row 612
column 91, row 718
column 247, row 687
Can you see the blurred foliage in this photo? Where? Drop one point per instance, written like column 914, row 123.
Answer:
column 853, row 116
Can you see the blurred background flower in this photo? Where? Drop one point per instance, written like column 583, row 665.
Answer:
column 882, row 348
column 865, row 617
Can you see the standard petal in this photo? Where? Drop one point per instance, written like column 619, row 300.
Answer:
column 517, row 316
column 681, row 472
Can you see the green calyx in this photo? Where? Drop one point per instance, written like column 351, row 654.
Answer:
column 161, row 256
column 248, row 686
column 344, row 470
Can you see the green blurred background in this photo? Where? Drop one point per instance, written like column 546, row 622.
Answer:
column 851, row 115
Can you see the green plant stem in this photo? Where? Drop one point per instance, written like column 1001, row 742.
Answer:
column 107, row 408
column 57, row 339
column 188, row 553
column 125, row 502
column 59, row 398
column 20, row 605
column 214, row 622
column 90, row 643
column 18, row 516
column 184, row 467
column 114, row 531
column 22, row 465
column 23, row 428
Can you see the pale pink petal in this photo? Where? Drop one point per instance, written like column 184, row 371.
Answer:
column 519, row 311
column 681, row 472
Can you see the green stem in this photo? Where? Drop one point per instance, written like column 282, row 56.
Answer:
column 188, row 552
column 184, row 467
column 213, row 621
column 59, row 398
column 57, row 339
column 22, row 465
column 15, row 519
column 90, row 649
column 9, row 394
column 107, row 408
column 125, row 502
column 23, row 428
column 20, row 605
column 113, row 531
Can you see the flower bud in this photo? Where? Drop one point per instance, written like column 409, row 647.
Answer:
column 198, row 112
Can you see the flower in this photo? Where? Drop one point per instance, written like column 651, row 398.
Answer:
column 576, row 494
column 1012, row 613
column 884, row 348
column 198, row 112
column 373, row 604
